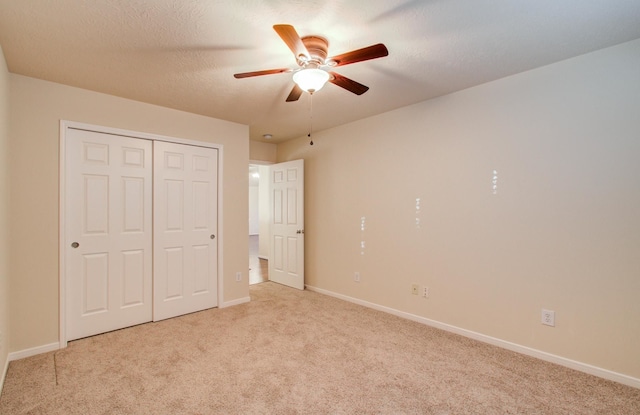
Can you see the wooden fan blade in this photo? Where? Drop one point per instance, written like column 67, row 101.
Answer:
column 295, row 93
column 348, row 84
column 293, row 41
column 260, row 73
column 364, row 54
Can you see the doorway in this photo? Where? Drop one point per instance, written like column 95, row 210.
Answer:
column 258, row 223
column 276, row 199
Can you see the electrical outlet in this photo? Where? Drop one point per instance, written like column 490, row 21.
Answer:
column 238, row 276
column 356, row 276
column 549, row 317
column 415, row 289
column 425, row 292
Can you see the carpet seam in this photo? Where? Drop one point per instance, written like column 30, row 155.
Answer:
column 55, row 367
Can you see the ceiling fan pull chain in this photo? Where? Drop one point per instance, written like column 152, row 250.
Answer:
column 310, row 119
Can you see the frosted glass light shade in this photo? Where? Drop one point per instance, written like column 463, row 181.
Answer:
column 311, row 80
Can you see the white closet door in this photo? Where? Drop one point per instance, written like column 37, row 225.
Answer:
column 185, row 227
column 108, row 247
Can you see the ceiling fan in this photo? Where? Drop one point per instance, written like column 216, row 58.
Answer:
column 311, row 56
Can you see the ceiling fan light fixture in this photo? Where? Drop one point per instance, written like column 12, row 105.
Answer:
column 311, row 79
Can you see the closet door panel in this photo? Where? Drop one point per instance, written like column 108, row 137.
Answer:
column 185, row 227
column 108, row 219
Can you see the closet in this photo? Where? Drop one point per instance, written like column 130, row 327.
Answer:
column 140, row 230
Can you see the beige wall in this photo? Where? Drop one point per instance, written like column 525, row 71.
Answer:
column 36, row 109
column 562, row 232
column 4, row 209
column 259, row 151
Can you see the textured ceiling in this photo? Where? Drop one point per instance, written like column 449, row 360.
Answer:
column 182, row 54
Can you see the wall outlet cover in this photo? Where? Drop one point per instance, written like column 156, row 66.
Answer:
column 549, row 317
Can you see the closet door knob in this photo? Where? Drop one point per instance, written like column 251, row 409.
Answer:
column 75, row 245
column 212, row 236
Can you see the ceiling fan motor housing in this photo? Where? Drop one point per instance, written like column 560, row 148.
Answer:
column 317, row 47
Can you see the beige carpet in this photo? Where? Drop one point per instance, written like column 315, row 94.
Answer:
column 298, row 352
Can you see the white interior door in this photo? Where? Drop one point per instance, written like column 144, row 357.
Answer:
column 286, row 258
column 108, row 235
column 185, row 227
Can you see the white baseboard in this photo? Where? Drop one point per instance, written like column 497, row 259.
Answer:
column 235, row 302
column 33, row 351
column 562, row 361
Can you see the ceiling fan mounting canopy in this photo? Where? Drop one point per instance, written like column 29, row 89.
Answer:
column 311, row 54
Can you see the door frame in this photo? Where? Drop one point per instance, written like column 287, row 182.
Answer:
column 62, row 279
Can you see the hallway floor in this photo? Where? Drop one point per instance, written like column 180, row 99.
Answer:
column 258, row 268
